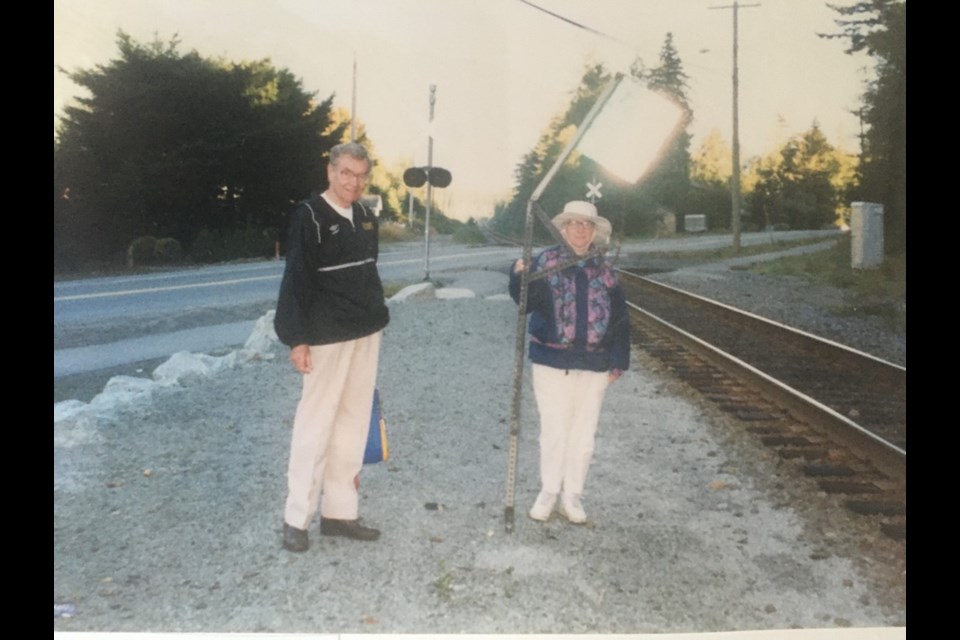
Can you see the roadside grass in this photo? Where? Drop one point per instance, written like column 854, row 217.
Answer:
column 469, row 234
column 722, row 253
column 389, row 232
column 880, row 292
column 102, row 269
column 396, row 232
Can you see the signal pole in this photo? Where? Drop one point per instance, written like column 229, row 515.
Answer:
column 426, row 221
column 735, row 177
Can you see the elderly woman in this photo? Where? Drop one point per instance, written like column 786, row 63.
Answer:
column 579, row 344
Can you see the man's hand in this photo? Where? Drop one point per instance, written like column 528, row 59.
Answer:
column 518, row 266
column 300, row 357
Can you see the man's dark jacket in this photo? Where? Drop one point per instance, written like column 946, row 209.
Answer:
column 331, row 291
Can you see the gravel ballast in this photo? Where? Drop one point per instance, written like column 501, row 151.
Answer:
column 168, row 510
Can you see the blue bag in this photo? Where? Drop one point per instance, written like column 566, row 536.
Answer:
column 376, row 450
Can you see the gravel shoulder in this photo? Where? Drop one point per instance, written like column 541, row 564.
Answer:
column 167, row 512
column 816, row 308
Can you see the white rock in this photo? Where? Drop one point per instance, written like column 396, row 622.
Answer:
column 262, row 339
column 122, row 390
column 454, row 294
column 184, row 364
column 421, row 290
column 67, row 409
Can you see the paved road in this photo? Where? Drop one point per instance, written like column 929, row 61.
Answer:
column 107, row 322
column 79, row 302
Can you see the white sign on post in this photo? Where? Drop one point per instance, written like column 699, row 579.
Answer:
column 633, row 130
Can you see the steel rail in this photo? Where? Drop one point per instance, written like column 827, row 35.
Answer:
column 888, row 368
column 887, row 458
column 867, row 389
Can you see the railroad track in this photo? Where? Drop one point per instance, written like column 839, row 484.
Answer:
column 839, row 413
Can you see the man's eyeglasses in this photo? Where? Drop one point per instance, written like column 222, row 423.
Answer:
column 349, row 176
column 580, row 224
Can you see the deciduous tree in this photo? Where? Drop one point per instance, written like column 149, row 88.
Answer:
column 799, row 186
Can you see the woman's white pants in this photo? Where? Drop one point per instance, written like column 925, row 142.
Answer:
column 569, row 404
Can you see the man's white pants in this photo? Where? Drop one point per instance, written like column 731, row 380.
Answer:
column 330, row 431
column 569, row 405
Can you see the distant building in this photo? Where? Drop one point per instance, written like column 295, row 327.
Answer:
column 695, row 223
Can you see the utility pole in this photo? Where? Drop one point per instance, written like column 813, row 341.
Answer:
column 735, row 177
column 426, row 221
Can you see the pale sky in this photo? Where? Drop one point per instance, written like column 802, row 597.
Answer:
column 502, row 68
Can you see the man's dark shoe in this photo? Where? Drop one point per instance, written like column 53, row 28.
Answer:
column 348, row 529
column 295, row 540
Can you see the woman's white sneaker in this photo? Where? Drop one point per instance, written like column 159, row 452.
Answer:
column 543, row 507
column 572, row 509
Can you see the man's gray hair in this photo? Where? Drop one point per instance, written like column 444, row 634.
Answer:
column 351, row 149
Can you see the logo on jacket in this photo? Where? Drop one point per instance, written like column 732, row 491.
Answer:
column 367, row 226
column 334, row 229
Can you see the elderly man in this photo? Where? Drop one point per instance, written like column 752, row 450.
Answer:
column 331, row 313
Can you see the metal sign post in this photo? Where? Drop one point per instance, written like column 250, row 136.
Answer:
column 426, row 222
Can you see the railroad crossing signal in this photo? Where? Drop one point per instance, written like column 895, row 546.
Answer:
column 418, row 176
column 593, row 190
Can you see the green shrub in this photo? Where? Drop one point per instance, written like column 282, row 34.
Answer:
column 246, row 243
column 205, row 247
column 396, row 232
column 218, row 246
column 141, row 251
column 168, row 251
column 469, row 234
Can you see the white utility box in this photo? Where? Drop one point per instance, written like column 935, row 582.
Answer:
column 695, row 223
column 866, row 235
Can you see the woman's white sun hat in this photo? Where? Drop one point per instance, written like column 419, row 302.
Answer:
column 586, row 211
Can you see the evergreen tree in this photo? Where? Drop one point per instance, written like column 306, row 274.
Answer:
column 170, row 144
column 668, row 76
column 879, row 27
column 669, row 184
column 570, row 181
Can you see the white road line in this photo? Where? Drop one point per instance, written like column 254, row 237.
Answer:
column 130, row 292
column 389, row 263
column 454, row 256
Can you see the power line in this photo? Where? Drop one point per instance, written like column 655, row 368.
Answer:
column 579, row 25
column 635, row 48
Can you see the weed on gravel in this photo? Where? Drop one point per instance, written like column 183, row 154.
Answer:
column 880, row 292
